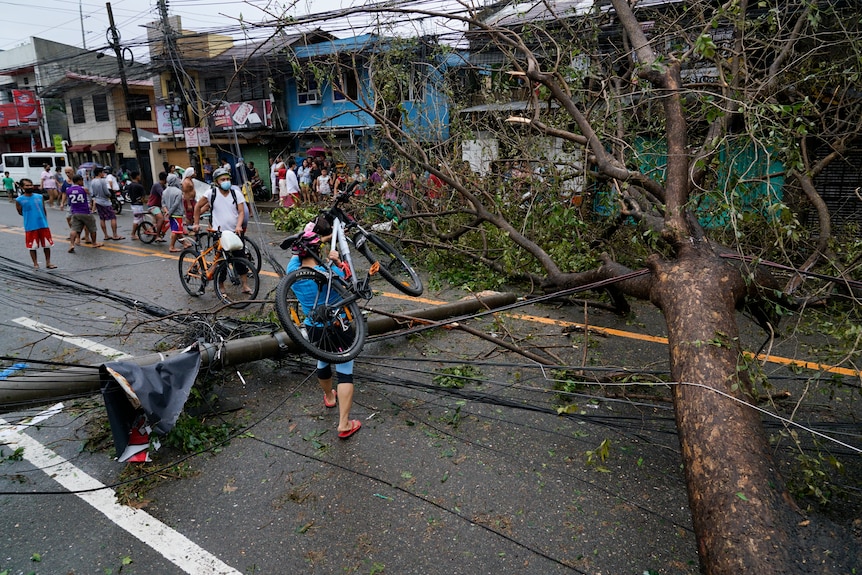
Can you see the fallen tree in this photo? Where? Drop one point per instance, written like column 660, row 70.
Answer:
column 770, row 85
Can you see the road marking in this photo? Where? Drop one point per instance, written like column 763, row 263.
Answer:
column 663, row 340
column 84, row 343
column 609, row 331
column 170, row 544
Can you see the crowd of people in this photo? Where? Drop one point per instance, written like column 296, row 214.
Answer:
column 318, row 178
column 86, row 197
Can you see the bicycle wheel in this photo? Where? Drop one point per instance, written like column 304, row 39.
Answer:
column 393, row 267
column 118, row 207
column 252, row 253
column 333, row 332
column 147, row 232
column 192, row 276
column 229, row 285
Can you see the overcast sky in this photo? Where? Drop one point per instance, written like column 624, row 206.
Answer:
column 62, row 20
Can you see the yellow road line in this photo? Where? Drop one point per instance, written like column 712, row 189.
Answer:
column 663, row 340
column 143, row 252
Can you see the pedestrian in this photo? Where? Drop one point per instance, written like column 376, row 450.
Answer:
column 111, row 180
column 136, row 198
column 208, row 171
column 68, row 172
column 339, row 183
column 273, row 175
column 36, row 231
column 154, row 204
column 102, row 196
column 81, row 218
column 342, row 395
column 49, row 185
column 228, row 212
column 9, row 186
column 172, row 208
column 290, row 192
column 323, row 185
column 357, row 181
column 304, row 175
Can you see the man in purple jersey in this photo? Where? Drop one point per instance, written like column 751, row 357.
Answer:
column 81, row 208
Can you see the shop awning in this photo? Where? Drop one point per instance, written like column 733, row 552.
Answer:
column 78, row 148
column 102, row 148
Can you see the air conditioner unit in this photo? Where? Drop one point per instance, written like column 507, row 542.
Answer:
column 313, row 98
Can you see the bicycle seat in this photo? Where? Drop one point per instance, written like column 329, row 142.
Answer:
column 288, row 242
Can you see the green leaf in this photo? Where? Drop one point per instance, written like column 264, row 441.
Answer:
column 741, row 495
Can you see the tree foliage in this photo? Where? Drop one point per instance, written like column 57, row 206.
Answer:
column 684, row 137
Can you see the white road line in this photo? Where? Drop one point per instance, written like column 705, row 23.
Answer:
column 87, row 344
column 173, row 546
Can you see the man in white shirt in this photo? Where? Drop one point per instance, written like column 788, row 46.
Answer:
column 291, row 186
column 227, row 212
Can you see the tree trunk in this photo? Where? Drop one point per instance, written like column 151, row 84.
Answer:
column 743, row 516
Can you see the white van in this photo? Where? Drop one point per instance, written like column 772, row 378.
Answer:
column 31, row 164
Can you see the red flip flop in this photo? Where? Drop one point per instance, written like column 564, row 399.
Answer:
column 355, row 424
column 327, row 404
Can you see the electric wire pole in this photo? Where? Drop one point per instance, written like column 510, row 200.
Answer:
column 143, row 162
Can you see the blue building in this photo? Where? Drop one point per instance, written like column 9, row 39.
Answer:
column 333, row 87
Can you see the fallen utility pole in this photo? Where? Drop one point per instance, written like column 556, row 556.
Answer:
column 30, row 390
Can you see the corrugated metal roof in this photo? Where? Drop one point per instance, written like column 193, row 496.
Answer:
column 505, row 107
column 337, row 46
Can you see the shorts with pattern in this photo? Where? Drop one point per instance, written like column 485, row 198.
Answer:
column 176, row 224
column 137, row 214
column 106, row 212
column 40, row 238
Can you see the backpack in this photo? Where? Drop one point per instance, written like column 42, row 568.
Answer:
column 214, row 191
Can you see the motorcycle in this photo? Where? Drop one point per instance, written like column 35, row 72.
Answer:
column 117, row 201
column 259, row 190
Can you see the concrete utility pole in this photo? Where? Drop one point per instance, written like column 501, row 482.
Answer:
column 143, row 163
column 23, row 391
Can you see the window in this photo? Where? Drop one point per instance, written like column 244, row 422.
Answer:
column 100, row 107
column 14, row 161
column 309, row 92
column 346, row 88
column 139, row 107
column 215, row 89
column 77, row 105
column 251, row 87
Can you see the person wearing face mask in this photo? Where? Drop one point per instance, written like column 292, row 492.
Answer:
column 228, row 210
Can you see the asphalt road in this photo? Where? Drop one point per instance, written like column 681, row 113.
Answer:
column 483, row 478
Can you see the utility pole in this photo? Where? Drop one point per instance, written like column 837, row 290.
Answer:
column 81, row 17
column 143, row 162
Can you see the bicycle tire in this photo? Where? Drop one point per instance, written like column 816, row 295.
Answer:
column 228, row 282
column 336, row 341
column 252, row 253
column 192, row 276
column 147, row 232
column 393, row 267
column 118, row 207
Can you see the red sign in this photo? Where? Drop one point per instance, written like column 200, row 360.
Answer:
column 23, row 111
column 243, row 115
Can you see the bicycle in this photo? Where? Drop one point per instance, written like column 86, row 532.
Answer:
column 333, row 328
column 147, row 232
column 224, row 269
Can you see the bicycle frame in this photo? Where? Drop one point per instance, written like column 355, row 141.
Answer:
column 339, row 242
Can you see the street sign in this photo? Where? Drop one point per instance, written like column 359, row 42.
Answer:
column 197, row 137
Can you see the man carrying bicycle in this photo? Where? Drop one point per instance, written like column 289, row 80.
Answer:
column 306, row 293
column 227, row 212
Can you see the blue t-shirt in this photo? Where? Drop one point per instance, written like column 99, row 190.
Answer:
column 306, row 291
column 33, row 211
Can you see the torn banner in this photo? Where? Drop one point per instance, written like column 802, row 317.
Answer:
column 139, row 399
